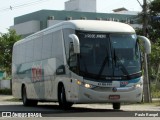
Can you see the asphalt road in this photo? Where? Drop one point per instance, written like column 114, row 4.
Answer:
column 79, row 110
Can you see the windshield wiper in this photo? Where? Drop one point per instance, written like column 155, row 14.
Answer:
column 103, row 65
column 123, row 68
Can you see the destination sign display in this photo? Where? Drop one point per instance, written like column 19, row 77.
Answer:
column 94, row 36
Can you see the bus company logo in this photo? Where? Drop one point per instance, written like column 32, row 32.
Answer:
column 124, row 83
column 114, row 89
column 36, row 73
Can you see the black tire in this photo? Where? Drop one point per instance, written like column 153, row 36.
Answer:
column 26, row 101
column 116, row 106
column 62, row 99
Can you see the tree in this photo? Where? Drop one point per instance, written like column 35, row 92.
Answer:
column 151, row 20
column 153, row 32
column 7, row 41
column 154, row 60
column 154, row 21
column 154, row 35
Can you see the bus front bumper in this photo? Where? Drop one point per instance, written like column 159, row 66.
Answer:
column 110, row 95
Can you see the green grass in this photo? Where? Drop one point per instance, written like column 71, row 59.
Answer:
column 155, row 103
column 156, row 94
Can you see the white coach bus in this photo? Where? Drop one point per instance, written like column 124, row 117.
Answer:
column 79, row 61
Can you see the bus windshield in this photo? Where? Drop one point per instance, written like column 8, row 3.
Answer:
column 108, row 56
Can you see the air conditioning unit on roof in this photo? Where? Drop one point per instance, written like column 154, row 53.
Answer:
column 50, row 17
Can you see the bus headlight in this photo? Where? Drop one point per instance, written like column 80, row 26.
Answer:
column 88, row 85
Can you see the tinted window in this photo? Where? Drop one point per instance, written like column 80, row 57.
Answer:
column 57, row 48
column 47, row 46
column 29, row 51
column 37, row 48
column 67, row 40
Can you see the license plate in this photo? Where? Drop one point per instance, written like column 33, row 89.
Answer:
column 114, row 97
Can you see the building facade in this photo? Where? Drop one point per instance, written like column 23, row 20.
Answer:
column 74, row 10
column 39, row 20
column 81, row 5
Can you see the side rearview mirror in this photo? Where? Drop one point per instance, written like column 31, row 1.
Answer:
column 76, row 43
column 147, row 44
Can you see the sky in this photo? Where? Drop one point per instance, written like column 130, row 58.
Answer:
column 14, row 8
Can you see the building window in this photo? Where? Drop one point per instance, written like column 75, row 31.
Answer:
column 83, row 18
column 99, row 18
column 69, row 18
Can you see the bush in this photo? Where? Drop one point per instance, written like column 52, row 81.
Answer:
column 6, row 92
column 155, row 90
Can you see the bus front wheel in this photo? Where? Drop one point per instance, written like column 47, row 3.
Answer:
column 116, row 106
column 62, row 99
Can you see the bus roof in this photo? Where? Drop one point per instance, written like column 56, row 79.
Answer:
column 88, row 25
column 99, row 25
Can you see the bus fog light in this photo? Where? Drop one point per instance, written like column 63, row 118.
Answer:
column 138, row 85
column 88, row 85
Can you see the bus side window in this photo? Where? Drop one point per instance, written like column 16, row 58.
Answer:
column 72, row 58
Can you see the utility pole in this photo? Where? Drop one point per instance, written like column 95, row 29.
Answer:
column 146, row 85
column 145, row 18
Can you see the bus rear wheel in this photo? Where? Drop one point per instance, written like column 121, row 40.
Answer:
column 116, row 106
column 26, row 101
column 62, row 99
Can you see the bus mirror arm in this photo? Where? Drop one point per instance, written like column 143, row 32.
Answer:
column 76, row 43
column 147, row 44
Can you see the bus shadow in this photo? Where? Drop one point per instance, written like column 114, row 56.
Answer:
column 77, row 111
column 56, row 111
